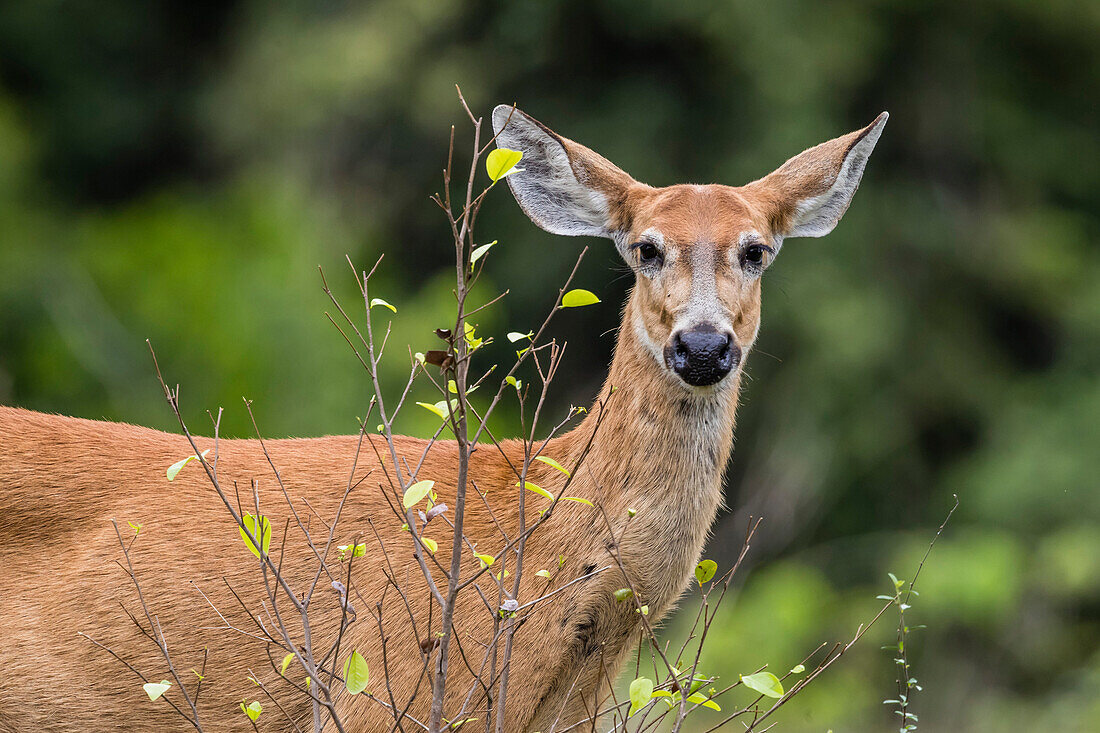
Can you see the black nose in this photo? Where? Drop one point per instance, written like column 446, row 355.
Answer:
column 702, row 355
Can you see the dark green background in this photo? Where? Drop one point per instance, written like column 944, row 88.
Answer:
column 177, row 171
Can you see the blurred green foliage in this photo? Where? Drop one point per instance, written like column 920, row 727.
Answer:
column 177, row 172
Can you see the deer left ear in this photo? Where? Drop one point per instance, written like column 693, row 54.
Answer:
column 807, row 195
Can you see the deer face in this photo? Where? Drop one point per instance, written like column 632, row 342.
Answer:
column 698, row 252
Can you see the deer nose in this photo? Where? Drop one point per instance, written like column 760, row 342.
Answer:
column 702, row 355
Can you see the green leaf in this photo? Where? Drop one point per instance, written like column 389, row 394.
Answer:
column 798, row 669
column 517, row 383
column 252, row 710
column 479, row 252
column 502, row 162
column 543, row 574
column 355, row 673
column 469, row 333
column 537, row 489
column 551, row 462
column 486, row 560
column 453, row 388
column 765, row 683
column 434, row 408
column 578, row 499
column 430, row 544
column 577, row 298
column 641, row 692
column 623, row 594
column 286, row 663
column 359, row 550
column 515, row 336
column 155, row 689
column 416, row 493
column 176, row 467
column 440, row 408
column 705, row 570
column 699, row 699
column 697, row 683
column 263, row 532
column 384, row 304
column 136, row 527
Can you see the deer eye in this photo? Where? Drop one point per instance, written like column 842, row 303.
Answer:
column 755, row 256
column 649, row 253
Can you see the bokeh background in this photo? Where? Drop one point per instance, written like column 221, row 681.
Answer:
column 178, row 171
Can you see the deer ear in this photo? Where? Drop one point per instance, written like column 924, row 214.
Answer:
column 807, row 195
column 564, row 187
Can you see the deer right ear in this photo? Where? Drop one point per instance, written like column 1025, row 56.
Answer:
column 564, row 187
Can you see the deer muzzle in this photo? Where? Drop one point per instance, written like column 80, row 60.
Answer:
column 702, row 355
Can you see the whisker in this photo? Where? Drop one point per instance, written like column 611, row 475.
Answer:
column 772, row 356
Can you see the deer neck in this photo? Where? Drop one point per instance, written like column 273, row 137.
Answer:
column 660, row 449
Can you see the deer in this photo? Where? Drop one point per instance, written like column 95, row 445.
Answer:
column 659, row 456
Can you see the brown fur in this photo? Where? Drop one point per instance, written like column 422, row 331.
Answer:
column 662, row 450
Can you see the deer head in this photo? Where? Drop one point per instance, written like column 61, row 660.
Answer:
column 698, row 252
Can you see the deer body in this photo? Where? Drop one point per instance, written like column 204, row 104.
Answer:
column 665, row 420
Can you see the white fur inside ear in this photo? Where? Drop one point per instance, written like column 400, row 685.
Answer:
column 817, row 215
column 547, row 189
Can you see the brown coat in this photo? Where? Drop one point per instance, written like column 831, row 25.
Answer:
column 63, row 479
column 661, row 450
